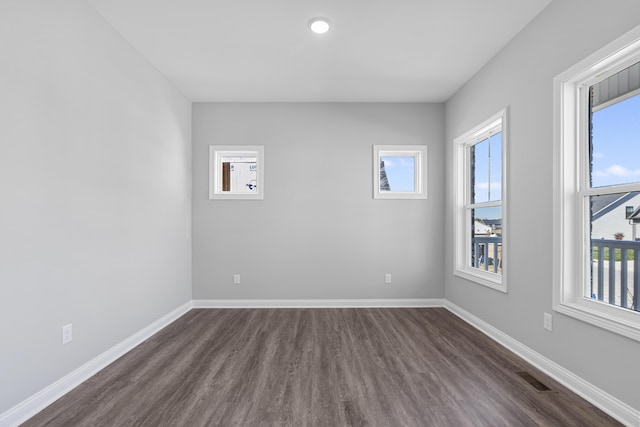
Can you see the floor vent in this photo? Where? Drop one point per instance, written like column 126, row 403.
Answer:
column 535, row 383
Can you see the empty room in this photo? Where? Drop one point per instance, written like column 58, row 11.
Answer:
column 297, row 213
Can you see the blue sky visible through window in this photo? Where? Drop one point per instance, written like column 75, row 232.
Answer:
column 616, row 144
column 400, row 173
column 490, row 213
column 488, row 170
column 488, row 175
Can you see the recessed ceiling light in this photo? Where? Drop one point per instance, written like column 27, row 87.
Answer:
column 319, row 25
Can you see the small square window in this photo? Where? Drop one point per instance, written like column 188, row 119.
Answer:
column 399, row 172
column 236, row 172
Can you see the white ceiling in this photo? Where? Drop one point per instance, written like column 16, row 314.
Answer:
column 375, row 51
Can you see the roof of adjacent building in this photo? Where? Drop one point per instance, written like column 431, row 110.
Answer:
column 602, row 205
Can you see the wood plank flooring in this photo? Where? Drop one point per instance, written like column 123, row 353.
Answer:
column 319, row 367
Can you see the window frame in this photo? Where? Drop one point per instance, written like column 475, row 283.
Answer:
column 419, row 153
column 572, row 241
column 216, row 153
column 462, row 202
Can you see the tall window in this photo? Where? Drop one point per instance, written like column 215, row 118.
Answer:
column 613, row 189
column 597, row 188
column 479, row 198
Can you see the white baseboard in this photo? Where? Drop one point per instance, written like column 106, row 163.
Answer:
column 317, row 303
column 34, row 404
column 603, row 400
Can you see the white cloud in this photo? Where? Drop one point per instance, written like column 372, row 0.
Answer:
column 616, row 170
column 406, row 162
column 399, row 162
column 485, row 185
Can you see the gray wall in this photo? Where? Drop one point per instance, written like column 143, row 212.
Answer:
column 318, row 233
column 95, row 175
column 520, row 77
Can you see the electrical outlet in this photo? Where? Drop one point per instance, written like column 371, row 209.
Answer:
column 236, row 279
column 67, row 333
column 387, row 278
column 548, row 322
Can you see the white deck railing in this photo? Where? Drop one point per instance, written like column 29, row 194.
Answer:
column 615, row 272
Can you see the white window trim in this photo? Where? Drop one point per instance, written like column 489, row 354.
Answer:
column 571, row 245
column 461, row 267
column 419, row 153
column 216, row 153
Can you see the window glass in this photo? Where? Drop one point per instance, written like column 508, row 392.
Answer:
column 495, row 163
column 485, row 162
column 239, row 174
column 397, row 173
column 479, row 169
column 615, row 144
column 486, row 170
column 486, row 238
column 614, row 148
column 613, row 248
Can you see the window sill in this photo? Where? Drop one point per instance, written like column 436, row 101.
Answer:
column 396, row 195
column 490, row 280
column 624, row 327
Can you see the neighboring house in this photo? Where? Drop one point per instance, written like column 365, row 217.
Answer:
column 480, row 227
column 495, row 224
column 634, row 220
column 616, row 213
column 384, row 181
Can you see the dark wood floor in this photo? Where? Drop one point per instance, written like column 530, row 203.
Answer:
column 319, row 367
